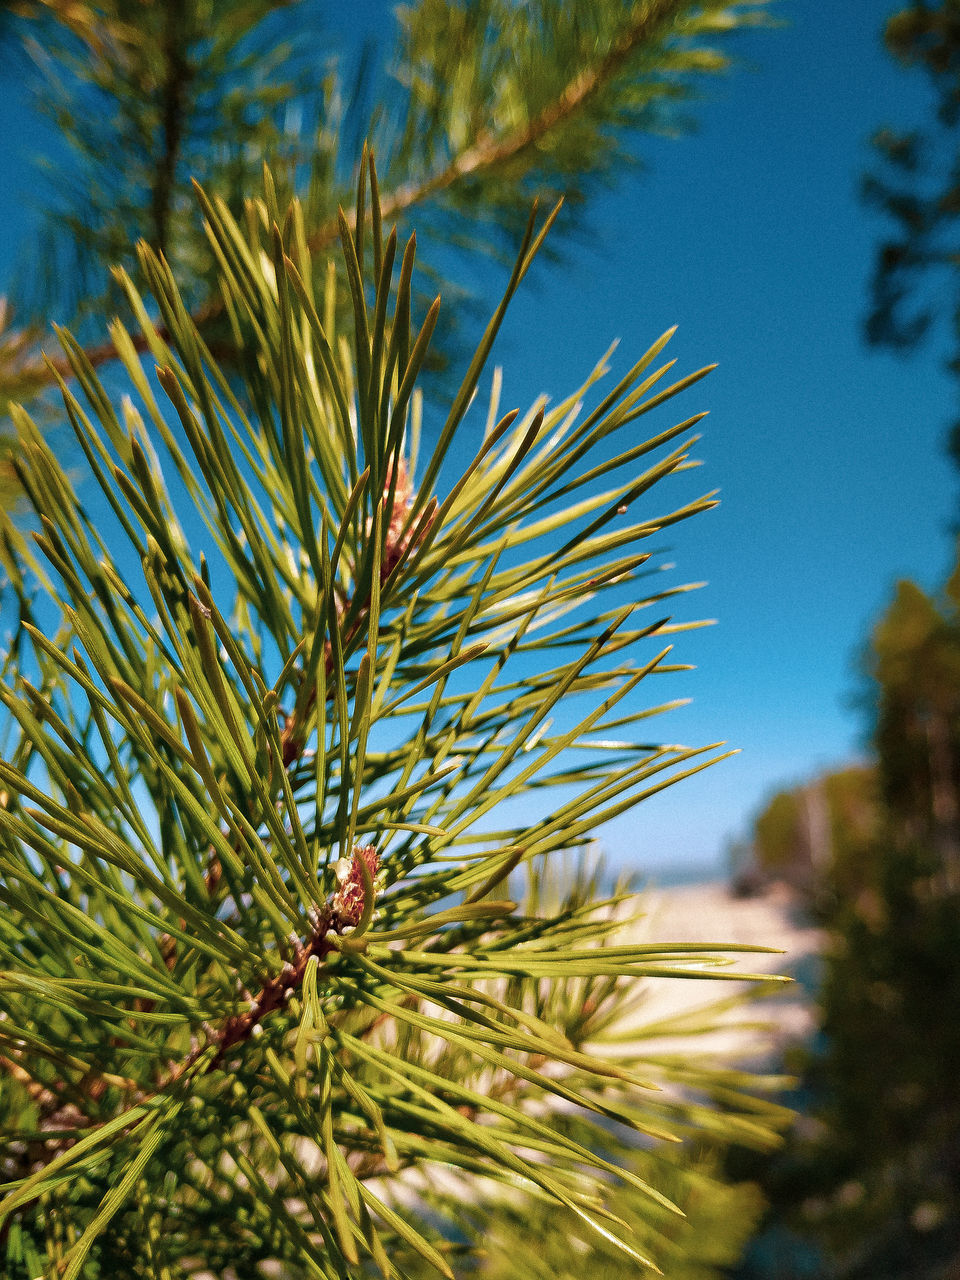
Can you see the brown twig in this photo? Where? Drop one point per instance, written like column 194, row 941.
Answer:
column 491, row 150
column 336, row 919
column 176, row 84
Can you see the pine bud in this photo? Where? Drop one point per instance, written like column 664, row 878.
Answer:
column 350, row 898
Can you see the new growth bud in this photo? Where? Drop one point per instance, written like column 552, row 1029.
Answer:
column 397, row 542
column 350, row 899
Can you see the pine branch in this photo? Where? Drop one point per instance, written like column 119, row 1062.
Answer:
column 491, row 151
column 362, row 1001
column 484, row 156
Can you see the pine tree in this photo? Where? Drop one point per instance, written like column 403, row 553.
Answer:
column 914, row 184
column 303, row 720
column 870, row 1184
column 915, row 662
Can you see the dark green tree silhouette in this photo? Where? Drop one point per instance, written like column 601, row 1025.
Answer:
column 870, row 1179
column 916, row 185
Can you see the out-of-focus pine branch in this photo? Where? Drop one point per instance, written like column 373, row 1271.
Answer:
column 489, row 103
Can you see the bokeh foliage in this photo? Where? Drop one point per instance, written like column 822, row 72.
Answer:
column 473, row 107
column 869, row 1182
column 914, row 184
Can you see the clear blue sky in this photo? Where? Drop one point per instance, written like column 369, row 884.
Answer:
column 750, row 235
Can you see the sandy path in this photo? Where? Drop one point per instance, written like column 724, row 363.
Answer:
column 708, row 913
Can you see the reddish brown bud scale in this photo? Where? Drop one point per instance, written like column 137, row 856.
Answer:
column 350, row 899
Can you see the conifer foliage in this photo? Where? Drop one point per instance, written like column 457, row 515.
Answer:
column 268, row 964
column 474, row 108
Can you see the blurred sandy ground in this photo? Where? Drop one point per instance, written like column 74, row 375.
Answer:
column 710, row 913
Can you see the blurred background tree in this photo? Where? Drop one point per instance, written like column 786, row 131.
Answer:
column 829, row 822
column 869, row 1183
column 916, row 185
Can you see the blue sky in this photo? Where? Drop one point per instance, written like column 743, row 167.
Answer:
column 748, row 234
